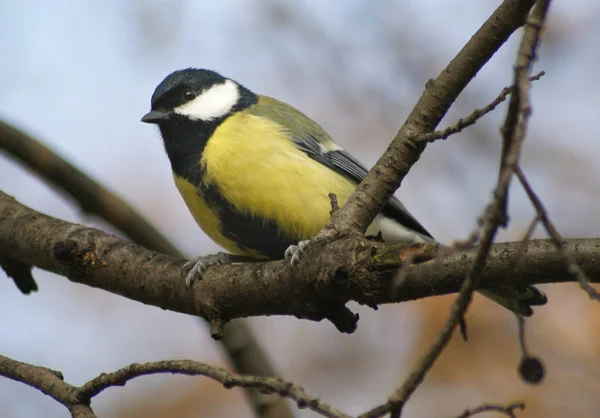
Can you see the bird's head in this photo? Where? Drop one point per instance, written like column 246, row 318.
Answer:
column 196, row 95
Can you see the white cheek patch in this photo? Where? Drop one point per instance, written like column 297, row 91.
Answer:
column 214, row 103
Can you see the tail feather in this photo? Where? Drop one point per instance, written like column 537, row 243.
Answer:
column 518, row 301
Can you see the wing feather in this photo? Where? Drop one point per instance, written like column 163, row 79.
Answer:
column 311, row 139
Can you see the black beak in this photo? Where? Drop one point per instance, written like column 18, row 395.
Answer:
column 157, row 116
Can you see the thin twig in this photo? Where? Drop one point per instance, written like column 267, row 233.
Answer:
column 519, row 109
column 516, row 259
column 522, row 344
column 531, row 369
column 508, row 410
column 477, row 114
column 229, row 380
column 571, row 264
column 77, row 399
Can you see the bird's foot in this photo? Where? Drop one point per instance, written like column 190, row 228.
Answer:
column 194, row 269
column 293, row 252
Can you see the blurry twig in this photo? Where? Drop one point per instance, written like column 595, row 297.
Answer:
column 531, row 369
column 508, row 410
column 229, row 380
column 516, row 259
column 519, row 109
column 474, row 116
column 522, row 344
column 572, row 266
column 95, row 199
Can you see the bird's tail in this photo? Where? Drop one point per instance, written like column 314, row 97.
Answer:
column 518, row 301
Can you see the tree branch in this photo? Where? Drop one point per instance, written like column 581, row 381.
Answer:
column 361, row 273
column 49, row 382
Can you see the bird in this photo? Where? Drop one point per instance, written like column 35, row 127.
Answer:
column 256, row 175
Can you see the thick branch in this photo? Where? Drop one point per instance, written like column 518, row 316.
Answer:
column 350, row 269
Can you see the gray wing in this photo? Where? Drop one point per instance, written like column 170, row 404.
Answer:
column 346, row 165
column 310, row 138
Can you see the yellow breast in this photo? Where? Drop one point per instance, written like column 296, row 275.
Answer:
column 262, row 173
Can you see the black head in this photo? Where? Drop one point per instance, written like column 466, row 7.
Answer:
column 196, row 95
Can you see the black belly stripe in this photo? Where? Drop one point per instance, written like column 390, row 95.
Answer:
column 248, row 232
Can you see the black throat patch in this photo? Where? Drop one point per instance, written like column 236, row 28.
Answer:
column 184, row 143
column 185, row 139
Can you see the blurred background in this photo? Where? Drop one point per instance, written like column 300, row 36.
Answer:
column 79, row 75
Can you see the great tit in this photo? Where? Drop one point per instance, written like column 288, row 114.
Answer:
column 256, row 174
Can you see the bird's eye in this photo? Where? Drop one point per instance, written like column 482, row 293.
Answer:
column 189, row 95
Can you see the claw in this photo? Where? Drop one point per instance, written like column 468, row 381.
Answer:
column 194, row 269
column 293, row 252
